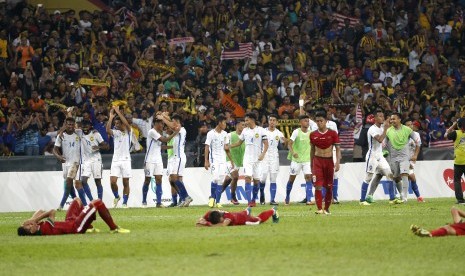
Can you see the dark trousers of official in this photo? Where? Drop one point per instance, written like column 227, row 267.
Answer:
column 459, row 170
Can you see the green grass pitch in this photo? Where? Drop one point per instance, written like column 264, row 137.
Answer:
column 354, row 240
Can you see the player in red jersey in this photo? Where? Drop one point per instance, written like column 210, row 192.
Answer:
column 457, row 228
column 78, row 220
column 223, row 218
column 321, row 156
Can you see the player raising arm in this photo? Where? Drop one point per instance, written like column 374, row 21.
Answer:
column 121, row 161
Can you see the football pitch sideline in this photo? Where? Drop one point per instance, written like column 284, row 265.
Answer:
column 354, row 240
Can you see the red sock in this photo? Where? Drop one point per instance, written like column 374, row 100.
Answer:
column 439, row 232
column 318, row 199
column 105, row 214
column 328, row 196
column 264, row 216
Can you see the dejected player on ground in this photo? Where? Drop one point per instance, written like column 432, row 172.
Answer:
column 457, row 228
column 224, row 218
column 78, row 220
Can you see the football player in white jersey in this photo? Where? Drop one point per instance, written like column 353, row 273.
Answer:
column 178, row 162
column 153, row 163
column 121, row 161
column 256, row 146
column 412, row 144
column 376, row 164
column 91, row 160
column 271, row 161
column 215, row 159
column 68, row 143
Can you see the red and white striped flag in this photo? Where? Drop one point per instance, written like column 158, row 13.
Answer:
column 441, row 143
column 346, row 137
column 243, row 51
column 340, row 20
column 358, row 121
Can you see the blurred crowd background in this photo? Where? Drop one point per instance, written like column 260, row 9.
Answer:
column 202, row 58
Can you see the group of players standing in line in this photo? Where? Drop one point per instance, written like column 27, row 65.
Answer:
column 314, row 150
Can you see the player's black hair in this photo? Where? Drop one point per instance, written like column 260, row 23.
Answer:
column 23, row 232
column 239, row 120
column 70, row 119
column 407, row 120
column 86, row 123
column 214, row 217
column 321, row 113
column 251, row 115
column 177, row 117
column 272, row 115
column 301, row 117
column 397, row 114
column 220, row 118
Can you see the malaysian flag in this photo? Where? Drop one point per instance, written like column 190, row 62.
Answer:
column 340, row 20
column 244, row 50
column 441, row 143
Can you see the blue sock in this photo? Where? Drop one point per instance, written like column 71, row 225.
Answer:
column 363, row 195
column 100, row 191
column 159, row 192
column 335, row 186
column 248, row 191
column 86, row 188
column 392, row 194
column 213, row 187
column 65, row 197
column 414, row 186
column 262, row 189
column 82, row 196
column 219, row 190
column 145, row 190
column 255, row 192
column 72, row 193
column 288, row 191
column 182, row 190
column 273, row 188
column 116, row 194
column 125, row 199
column 308, row 190
column 174, row 199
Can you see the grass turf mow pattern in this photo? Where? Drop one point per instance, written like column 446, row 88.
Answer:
column 354, row 240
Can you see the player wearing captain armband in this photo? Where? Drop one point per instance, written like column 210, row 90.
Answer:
column 271, row 161
column 256, row 145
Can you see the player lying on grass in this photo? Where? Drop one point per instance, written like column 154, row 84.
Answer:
column 223, row 218
column 78, row 220
column 457, row 228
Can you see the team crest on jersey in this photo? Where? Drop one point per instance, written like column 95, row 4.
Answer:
column 277, row 138
column 91, row 138
column 256, row 135
column 77, row 139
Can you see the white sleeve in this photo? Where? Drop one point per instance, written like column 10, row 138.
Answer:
column 156, row 135
column 58, row 141
column 242, row 137
column 281, row 136
column 98, row 137
column 294, row 135
column 208, row 140
column 264, row 134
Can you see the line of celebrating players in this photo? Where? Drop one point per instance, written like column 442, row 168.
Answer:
column 250, row 150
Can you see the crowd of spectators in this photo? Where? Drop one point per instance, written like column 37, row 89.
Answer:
column 395, row 55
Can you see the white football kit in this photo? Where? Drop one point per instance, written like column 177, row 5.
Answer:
column 253, row 139
column 375, row 161
column 412, row 145
column 153, row 163
column 91, row 162
column 121, row 161
column 177, row 163
column 270, row 164
column 217, row 156
column 70, row 147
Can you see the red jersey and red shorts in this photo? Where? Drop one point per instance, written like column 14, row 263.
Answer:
column 459, row 228
column 78, row 220
column 323, row 167
column 236, row 218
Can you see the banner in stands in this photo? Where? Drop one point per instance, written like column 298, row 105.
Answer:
column 29, row 191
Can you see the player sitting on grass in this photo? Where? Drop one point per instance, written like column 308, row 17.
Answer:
column 457, row 228
column 78, row 221
column 223, row 218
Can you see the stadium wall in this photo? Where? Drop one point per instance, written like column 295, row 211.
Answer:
column 29, row 191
